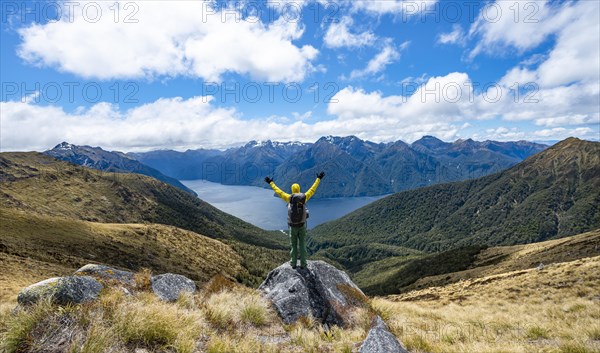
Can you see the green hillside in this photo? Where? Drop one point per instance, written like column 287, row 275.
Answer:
column 553, row 194
column 40, row 185
column 401, row 274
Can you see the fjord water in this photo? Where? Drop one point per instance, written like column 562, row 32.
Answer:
column 258, row 206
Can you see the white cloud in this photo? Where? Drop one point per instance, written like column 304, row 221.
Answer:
column 575, row 119
column 183, row 124
column 519, row 24
column 452, row 98
column 446, row 98
column 457, row 36
column 566, row 80
column 513, row 134
column 377, row 64
column 187, row 38
column 441, row 107
column 381, row 7
column 338, row 35
column 575, row 56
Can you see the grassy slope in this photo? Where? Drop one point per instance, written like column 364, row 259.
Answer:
column 354, row 257
column 60, row 244
column 38, row 183
column 41, row 185
column 552, row 310
column 402, row 274
column 553, row 194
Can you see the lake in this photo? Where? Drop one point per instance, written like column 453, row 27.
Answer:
column 258, row 206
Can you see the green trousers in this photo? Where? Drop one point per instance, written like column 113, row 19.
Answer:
column 298, row 242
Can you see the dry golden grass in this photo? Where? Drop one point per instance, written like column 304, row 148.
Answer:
column 556, row 309
column 502, row 259
column 40, row 185
column 18, row 272
column 58, row 244
column 550, row 310
column 490, row 261
column 226, row 321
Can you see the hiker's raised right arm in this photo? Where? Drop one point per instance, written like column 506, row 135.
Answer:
column 284, row 196
column 314, row 187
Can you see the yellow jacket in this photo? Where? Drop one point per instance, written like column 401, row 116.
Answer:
column 295, row 189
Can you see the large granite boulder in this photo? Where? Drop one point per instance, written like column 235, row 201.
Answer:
column 169, row 286
column 62, row 290
column 319, row 290
column 381, row 340
column 107, row 273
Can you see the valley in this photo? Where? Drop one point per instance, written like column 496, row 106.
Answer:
column 472, row 266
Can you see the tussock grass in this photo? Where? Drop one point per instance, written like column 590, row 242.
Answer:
column 156, row 324
column 143, row 279
column 519, row 311
column 227, row 321
column 16, row 338
column 227, row 310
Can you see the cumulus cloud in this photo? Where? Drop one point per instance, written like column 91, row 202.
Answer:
column 442, row 106
column 444, row 98
column 338, row 35
column 562, row 87
column 388, row 55
column 454, row 98
column 185, row 38
column 524, row 25
column 575, row 56
column 381, row 7
column 519, row 24
column 183, row 124
column 457, row 36
column 556, row 134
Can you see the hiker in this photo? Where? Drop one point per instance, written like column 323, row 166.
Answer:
column 297, row 215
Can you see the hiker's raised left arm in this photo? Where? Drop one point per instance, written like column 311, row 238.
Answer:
column 284, row 196
column 314, row 187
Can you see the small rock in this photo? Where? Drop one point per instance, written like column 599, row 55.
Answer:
column 62, row 290
column 36, row 292
column 169, row 286
column 381, row 340
column 106, row 272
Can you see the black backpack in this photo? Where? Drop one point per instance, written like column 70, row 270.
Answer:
column 297, row 211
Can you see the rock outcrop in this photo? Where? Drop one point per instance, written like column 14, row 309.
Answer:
column 319, row 290
column 84, row 285
column 169, row 286
column 107, row 273
column 62, row 290
column 381, row 340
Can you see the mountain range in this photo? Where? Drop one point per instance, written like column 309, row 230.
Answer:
column 429, row 231
column 553, row 194
column 354, row 167
column 112, row 162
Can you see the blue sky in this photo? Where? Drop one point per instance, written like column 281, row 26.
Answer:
column 141, row 75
